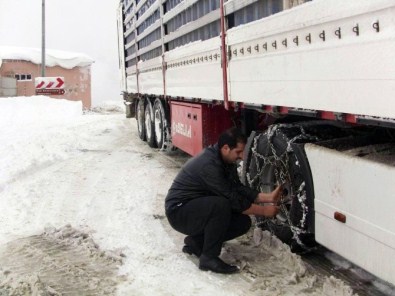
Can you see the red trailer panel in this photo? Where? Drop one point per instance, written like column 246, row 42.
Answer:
column 195, row 126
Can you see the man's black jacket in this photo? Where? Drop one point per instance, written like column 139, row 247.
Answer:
column 208, row 175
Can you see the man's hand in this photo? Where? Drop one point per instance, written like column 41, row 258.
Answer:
column 275, row 195
column 272, row 197
column 270, row 211
column 266, row 211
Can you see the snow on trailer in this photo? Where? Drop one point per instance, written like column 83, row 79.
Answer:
column 309, row 81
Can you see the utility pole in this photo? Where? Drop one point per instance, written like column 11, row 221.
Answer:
column 43, row 40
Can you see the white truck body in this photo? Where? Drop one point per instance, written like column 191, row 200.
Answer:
column 361, row 189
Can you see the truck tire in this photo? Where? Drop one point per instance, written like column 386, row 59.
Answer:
column 140, row 118
column 159, row 123
column 276, row 158
column 149, row 125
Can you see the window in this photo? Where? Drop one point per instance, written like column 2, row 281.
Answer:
column 131, row 63
column 23, row 77
column 255, row 11
column 148, row 22
column 156, row 52
column 170, row 4
column 197, row 10
column 203, row 33
column 144, row 8
column 146, row 41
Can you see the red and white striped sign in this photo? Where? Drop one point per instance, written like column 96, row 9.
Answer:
column 49, row 82
column 49, row 85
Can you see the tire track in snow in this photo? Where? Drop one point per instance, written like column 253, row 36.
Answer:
column 58, row 262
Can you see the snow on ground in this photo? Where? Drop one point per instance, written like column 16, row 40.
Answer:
column 82, row 213
column 109, row 107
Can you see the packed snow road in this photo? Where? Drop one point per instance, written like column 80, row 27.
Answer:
column 82, row 214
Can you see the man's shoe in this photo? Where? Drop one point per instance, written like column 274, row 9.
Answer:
column 216, row 265
column 191, row 247
column 188, row 250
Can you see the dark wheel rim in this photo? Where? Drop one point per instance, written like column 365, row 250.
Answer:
column 158, row 120
column 267, row 183
column 148, row 127
column 140, row 118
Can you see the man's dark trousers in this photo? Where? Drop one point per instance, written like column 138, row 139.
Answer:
column 209, row 221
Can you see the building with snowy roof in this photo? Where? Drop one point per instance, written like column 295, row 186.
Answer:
column 24, row 65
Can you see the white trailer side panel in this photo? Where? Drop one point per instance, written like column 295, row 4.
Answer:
column 363, row 191
column 131, row 82
column 351, row 71
column 195, row 81
column 201, row 77
column 151, row 76
column 151, row 82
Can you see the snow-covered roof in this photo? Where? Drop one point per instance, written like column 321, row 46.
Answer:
column 64, row 59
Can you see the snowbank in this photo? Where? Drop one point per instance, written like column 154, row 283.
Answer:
column 30, row 133
column 37, row 110
column 110, row 107
column 67, row 60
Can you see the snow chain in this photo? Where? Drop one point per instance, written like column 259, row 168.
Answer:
column 280, row 163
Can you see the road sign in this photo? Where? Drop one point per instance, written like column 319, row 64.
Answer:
column 50, row 91
column 49, row 85
column 49, row 82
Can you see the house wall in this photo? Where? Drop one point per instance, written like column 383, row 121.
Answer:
column 77, row 80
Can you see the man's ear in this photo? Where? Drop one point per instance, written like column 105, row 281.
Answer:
column 225, row 148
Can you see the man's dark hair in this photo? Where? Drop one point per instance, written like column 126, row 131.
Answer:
column 231, row 137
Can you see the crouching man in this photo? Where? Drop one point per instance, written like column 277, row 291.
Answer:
column 208, row 203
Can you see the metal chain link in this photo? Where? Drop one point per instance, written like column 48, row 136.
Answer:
column 280, row 163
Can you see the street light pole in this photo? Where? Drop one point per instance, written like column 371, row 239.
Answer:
column 43, row 40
